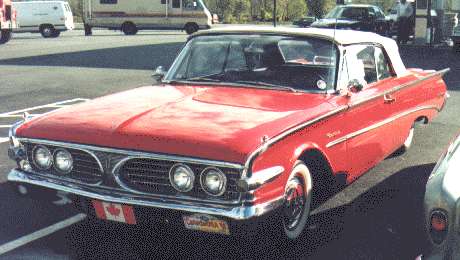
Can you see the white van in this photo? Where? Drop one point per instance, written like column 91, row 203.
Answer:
column 130, row 16
column 49, row 18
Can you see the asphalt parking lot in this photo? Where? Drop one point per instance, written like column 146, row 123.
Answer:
column 377, row 217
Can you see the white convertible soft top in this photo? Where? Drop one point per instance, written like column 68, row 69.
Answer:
column 341, row 37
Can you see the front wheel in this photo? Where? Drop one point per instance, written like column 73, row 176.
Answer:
column 295, row 211
column 5, row 36
column 47, row 31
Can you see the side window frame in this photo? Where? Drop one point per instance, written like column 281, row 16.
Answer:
column 387, row 58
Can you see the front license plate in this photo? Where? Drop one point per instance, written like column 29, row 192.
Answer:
column 206, row 223
column 114, row 212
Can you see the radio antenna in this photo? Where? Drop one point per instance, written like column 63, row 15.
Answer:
column 332, row 75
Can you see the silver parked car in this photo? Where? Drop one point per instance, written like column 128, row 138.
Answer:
column 442, row 205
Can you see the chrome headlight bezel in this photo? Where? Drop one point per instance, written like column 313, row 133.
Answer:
column 34, row 157
column 55, row 161
column 186, row 169
column 222, row 186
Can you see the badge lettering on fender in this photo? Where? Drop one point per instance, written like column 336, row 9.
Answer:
column 330, row 135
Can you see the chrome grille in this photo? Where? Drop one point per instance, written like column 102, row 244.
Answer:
column 152, row 176
column 85, row 167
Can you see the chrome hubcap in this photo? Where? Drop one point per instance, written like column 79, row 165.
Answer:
column 294, row 206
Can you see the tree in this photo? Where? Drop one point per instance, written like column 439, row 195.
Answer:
column 319, row 8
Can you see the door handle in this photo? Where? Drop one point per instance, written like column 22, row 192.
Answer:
column 387, row 98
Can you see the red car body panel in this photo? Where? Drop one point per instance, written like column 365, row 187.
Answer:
column 227, row 123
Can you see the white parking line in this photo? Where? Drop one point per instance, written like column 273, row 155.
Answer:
column 18, row 113
column 40, row 233
column 56, row 104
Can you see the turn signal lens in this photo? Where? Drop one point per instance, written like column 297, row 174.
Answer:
column 438, row 226
column 438, row 222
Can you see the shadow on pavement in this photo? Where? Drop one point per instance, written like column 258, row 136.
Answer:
column 144, row 57
column 385, row 222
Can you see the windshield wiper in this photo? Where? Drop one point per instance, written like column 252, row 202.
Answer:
column 265, row 84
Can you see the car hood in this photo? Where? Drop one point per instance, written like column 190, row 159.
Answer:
column 212, row 122
column 330, row 22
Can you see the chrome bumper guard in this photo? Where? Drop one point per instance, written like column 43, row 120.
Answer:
column 239, row 212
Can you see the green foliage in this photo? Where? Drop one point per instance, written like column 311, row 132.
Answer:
column 319, row 8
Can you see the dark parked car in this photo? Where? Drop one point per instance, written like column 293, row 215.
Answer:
column 356, row 17
column 304, row 21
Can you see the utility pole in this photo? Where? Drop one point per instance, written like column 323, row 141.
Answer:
column 274, row 13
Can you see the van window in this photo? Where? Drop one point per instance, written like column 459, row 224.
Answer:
column 191, row 5
column 112, row 2
column 176, row 4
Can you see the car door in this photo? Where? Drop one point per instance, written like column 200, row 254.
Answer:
column 369, row 137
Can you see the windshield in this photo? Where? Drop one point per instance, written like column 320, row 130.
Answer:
column 334, row 13
column 356, row 13
column 295, row 63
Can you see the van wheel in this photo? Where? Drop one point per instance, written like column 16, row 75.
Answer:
column 47, row 30
column 5, row 36
column 191, row 28
column 55, row 34
column 129, row 28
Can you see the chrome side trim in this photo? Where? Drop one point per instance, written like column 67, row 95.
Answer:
column 251, row 158
column 403, row 86
column 259, row 178
column 239, row 212
column 132, row 153
column 266, row 145
column 377, row 125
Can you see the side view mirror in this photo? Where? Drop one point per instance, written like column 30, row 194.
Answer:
column 159, row 73
column 355, row 86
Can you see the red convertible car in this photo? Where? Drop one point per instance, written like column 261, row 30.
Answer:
column 248, row 124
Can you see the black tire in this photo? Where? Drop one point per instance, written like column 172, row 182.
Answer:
column 88, row 30
column 191, row 28
column 129, row 28
column 295, row 212
column 55, row 34
column 47, row 30
column 5, row 36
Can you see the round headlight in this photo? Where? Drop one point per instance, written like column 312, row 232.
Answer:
column 213, row 181
column 42, row 157
column 63, row 161
column 181, row 177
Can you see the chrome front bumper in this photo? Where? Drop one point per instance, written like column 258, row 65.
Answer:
column 239, row 212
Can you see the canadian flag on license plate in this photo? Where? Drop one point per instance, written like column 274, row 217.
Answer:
column 114, row 212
